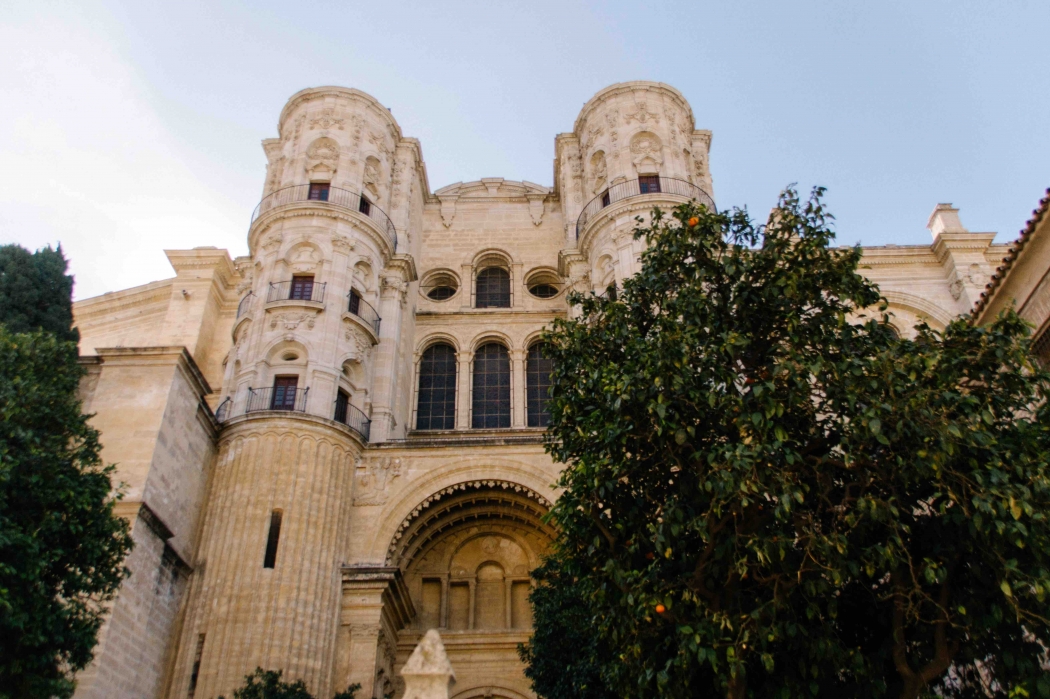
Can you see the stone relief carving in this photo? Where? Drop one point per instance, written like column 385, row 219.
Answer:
column 576, row 172
column 379, row 141
column 647, row 150
column 272, row 241
column 397, row 172
column 291, row 321
column 956, row 288
column 340, row 243
column 536, row 208
column 304, row 257
column 370, row 179
column 326, row 120
column 601, row 171
column 276, row 174
column 293, row 134
column 325, row 149
column 374, row 477
column 642, row 115
column 699, row 167
column 361, row 345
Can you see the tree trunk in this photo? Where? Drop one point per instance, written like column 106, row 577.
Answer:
column 737, row 688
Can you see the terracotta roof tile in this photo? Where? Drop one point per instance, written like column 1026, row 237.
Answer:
column 1015, row 249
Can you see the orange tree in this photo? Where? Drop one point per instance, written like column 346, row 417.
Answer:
column 768, row 494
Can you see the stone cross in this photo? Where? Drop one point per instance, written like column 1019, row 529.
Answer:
column 428, row 674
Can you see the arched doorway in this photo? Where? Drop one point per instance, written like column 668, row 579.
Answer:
column 466, row 557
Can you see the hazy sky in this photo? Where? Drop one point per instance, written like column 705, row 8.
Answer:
column 128, row 128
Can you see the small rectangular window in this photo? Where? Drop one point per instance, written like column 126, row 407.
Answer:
column 319, row 191
column 605, row 198
column 355, row 302
column 342, row 400
column 302, row 288
column 271, row 541
column 284, row 392
column 365, row 206
column 196, row 666
column 649, row 184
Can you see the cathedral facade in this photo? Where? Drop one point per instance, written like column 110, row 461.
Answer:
column 334, row 444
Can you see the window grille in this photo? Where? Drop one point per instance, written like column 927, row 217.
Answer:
column 538, row 381
column 491, row 395
column 272, row 540
column 492, row 288
column 649, row 184
column 436, row 402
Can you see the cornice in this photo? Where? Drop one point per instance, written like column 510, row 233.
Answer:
column 897, row 254
column 269, row 421
column 949, row 242
column 157, row 356
column 115, row 300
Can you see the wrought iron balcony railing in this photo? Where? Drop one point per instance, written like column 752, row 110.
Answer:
column 223, row 411
column 363, row 310
column 295, row 290
column 353, row 418
column 245, row 304
column 333, row 196
column 277, row 398
column 639, row 187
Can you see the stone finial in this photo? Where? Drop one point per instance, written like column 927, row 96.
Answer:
column 428, row 674
column 945, row 219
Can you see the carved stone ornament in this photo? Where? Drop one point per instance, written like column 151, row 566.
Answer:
column 340, row 243
column 374, row 477
column 956, row 288
column 272, row 241
column 536, row 208
column 291, row 321
column 646, row 147
column 448, row 209
column 360, row 344
column 601, row 171
column 324, row 149
column 379, row 141
column 428, row 674
column 642, row 114
column 326, row 120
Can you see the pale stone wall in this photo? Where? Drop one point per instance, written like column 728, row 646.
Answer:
column 386, row 530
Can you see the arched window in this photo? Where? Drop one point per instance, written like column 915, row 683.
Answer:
column 492, row 288
column 436, row 407
column 538, row 382
column 491, row 400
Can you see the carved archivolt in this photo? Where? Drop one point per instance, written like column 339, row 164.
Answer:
column 453, row 489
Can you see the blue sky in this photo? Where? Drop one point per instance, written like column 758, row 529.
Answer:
column 128, row 128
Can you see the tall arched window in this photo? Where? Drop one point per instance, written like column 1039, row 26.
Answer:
column 491, row 400
column 538, row 382
column 436, row 407
column 492, row 288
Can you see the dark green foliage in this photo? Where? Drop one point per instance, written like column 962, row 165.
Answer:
column 36, row 292
column 267, row 684
column 61, row 547
column 563, row 658
column 820, row 508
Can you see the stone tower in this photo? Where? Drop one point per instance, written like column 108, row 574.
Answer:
column 311, row 377
column 634, row 146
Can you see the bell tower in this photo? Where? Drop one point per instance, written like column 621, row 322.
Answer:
column 312, row 378
column 634, row 146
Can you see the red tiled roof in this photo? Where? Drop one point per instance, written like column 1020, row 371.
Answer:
column 1015, row 250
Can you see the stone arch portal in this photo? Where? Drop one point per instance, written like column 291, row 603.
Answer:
column 466, row 554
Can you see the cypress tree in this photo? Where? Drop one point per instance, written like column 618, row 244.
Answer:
column 35, row 292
